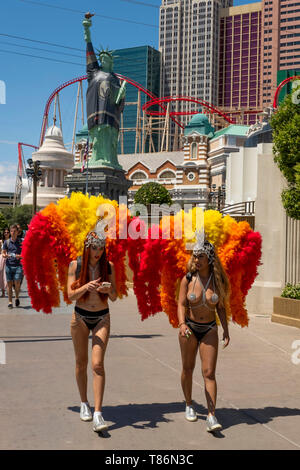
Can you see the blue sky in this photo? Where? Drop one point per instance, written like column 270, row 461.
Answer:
column 29, row 81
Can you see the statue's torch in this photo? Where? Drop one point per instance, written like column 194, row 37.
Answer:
column 121, row 92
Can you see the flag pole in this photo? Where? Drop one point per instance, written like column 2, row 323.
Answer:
column 87, row 175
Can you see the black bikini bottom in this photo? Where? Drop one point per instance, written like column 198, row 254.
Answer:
column 91, row 319
column 199, row 329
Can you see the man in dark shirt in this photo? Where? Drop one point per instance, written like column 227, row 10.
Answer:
column 12, row 252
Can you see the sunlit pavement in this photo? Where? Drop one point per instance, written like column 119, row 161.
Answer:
column 258, row 378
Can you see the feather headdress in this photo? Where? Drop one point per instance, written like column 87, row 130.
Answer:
column 56, row 236
column 97, row 236
column 203, row 246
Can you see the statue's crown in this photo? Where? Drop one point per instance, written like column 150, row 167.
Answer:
column 106, row 51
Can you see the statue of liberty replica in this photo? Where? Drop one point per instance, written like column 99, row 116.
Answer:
column 105, row 100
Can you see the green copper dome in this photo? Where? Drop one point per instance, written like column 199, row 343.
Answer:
column 82, row 134
column 198, row 119
column 200, row 124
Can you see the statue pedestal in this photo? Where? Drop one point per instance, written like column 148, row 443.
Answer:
column 109, row 182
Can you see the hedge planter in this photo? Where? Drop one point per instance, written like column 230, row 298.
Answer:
column 286, row 311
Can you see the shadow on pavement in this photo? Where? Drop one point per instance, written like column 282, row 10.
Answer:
column 148, row 415
column 231, row 417
column 35, row 339
column 137, row 415
column 135, row 336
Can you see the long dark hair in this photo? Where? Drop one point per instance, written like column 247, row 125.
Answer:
column 4, row 230
column 84, row 272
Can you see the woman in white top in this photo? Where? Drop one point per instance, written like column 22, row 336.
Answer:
column 3, row 283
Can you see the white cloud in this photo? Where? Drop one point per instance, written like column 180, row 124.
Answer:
column 7, row 183
column 8, row 175
column 8, row 169
column 8, row 142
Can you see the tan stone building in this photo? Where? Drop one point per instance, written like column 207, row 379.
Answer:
column 197, row 173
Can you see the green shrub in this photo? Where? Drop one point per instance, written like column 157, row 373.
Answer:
column 152, row 193
column 18, row 215
column 291, row 292
column 285, row 123
column 3, row 223
column 291, row 202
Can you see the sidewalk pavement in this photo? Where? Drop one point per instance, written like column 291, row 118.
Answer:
column 258, row 385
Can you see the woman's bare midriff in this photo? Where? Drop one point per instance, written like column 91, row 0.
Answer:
column 201, row 315
column 93, row 303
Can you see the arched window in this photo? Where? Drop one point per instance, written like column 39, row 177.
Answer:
column 167, row 175
column 194, row 150
column 138, row 175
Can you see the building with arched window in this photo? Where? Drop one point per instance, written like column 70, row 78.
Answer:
column 207, row 162
column 188, row 174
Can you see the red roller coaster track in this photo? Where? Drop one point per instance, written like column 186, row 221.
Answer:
column 280, row 86
column 169, row 99
column 154, row 100
column 20, row 165
column 80, row 79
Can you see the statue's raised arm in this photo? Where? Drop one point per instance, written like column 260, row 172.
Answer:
column 87, row 23
column 92, row 64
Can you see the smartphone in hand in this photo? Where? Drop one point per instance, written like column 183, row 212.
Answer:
column 106, row 284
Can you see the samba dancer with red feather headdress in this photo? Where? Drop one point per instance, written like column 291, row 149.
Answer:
column 91, row 281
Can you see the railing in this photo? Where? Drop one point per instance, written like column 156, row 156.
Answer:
column 292, row 254
column 242, row 211
column 241, row 208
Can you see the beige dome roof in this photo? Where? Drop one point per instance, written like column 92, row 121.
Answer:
column 52, row 153
column 53, row 131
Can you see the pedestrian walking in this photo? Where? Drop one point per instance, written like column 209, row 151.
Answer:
column 20, row 232
column 3, row 282
column 21, row 238
column 203, row 291
column 91, row 281
column 11, row 251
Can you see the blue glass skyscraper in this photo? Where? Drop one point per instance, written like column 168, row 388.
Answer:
column 141, row 64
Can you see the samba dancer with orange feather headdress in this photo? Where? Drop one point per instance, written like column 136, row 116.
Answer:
column 203, row 290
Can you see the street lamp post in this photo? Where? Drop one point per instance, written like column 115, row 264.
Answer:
column 217, row 196
column 35, row 173
column 222, row 196
column 213, row 196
